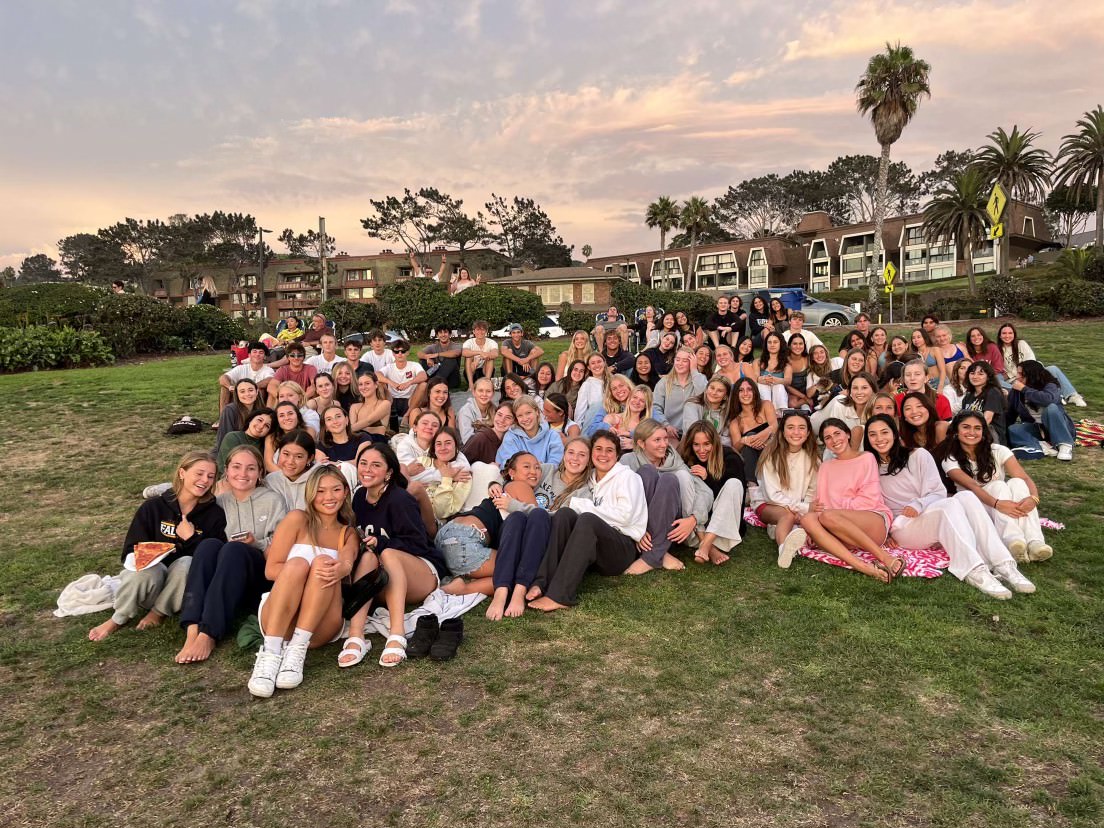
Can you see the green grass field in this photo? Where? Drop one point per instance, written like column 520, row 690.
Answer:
column 744, row 695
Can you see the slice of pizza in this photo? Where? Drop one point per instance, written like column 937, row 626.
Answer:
column 146, row 553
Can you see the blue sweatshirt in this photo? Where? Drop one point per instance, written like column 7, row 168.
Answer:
column 546, row 445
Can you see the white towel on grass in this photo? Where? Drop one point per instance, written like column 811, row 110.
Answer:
column 438, row 602
column 87, row 594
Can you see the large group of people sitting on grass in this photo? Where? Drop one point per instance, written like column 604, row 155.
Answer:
column 348, row 482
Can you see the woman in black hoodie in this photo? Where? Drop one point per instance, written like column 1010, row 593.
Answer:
column 183, row 516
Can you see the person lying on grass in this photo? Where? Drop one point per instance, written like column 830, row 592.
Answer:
column 849, row 510
column 313, row 550
column 226, row 576
column 182, row 517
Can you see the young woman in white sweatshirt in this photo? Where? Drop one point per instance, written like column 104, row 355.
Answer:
column 787, row 474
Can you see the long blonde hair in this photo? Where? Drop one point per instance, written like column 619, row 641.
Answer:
column 777, row 450
column 714, row 466
column 584, row 477
column 647, row 412
column 345, row 514
column 485, row 415
column 571, row 353
column 186, row 462
column 670, row 378
column 611, row 405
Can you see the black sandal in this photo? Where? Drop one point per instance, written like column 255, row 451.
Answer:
column 448, row 641
column 425, row 634
column 357, row 594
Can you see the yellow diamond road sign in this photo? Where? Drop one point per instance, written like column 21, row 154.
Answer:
column 997, row 202
column 890, row 273
column 997, row 231
column 889, row 288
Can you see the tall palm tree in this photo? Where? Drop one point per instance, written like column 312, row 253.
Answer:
column 889, row 92
column 1080, row 163
column 664, row 214
column 1023, row 170
column 693, row 218
column 957, row 210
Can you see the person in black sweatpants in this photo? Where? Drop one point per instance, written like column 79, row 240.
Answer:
column 223, row 577
column 577, row 543
column 521, row 547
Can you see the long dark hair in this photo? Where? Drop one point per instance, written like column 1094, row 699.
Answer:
column 1014, row 344
column 276, row 429
column 912, row 436
column 389, row 458
column 783, row 352
column 734, row 405
column 983, row 455
column 980, row 350
column 1035, row 375
column 990, row 379
column 898, row 454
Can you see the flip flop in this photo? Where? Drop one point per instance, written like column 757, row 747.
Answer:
column 356, row 647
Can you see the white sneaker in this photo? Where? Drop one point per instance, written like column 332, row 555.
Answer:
column 772, row 531
column 156, row 490
column 982, row 579
column 1011, row 575
column 791, row 546
column 1065, row 451
column 1048, row 449
column 290, row 675
column 262, row 683
column 1018, row 548
column 1077, row 400
column 1039, row 551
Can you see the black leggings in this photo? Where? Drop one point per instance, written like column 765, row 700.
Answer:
column 521, row 546
column 223, row 577
column 577, row 543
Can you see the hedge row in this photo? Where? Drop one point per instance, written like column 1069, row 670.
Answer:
column 41, row 346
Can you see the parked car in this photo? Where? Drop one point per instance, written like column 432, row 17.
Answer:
column 549, row 328
column 827, row 314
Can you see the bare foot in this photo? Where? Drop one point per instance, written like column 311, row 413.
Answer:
column 703, row 553
column 456, row 587
column 637, row 567
column 197, row 650
column 717, row 556
column 190, row 636
column 671, row 562
column 546, row 604
column 517, row 603
column 152, row 619
column 498, row 604
column 102, row 631
column 534, row 593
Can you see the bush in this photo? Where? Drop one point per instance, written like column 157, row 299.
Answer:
column 958, row 307
column 1074, row 297
column 351, row 317
column 40, row 346
column 41, row 304
column 572, row 320
column 499, row 305
column 1094, row 270
column 418, row 306
column 1038, row 313
column 212, row 327
column 1005, row 295
column 132, row 324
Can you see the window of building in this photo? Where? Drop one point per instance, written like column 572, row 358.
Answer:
column 821, row 285
column 405, row 272
column 1029, row 226
column 718, row 269
column 247, row 280
column 941, row 254
column 358, row 275
column 352, row 293
column 555, row 294
column 941, row 272
column 852, row 245
column 758, row 272
column 587, row 293
column 914, row 235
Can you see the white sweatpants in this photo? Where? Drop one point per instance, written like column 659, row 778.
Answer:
column 961, row 526
column 777, row 394
column 724, row 520
column 1010, row 529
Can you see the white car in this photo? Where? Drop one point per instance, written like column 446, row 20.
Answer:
column 549, row 328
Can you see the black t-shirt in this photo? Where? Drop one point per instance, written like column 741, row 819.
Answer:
column 720, row 320
column 993, row 400
column 521, row 351
column 344, row 451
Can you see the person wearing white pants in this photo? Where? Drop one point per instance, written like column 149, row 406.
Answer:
column 923, row 515
column 995, row 476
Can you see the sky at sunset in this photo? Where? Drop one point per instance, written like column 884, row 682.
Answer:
column 292, row 110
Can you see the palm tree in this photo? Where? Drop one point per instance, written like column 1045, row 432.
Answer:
column 889, row 92
column 1080, row 163
column 693, row 218
column 1022, row 169
column 957, row 210
column 664, row 214
column 1072, row 263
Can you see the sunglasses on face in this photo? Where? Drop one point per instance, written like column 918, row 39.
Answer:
column 399, row 350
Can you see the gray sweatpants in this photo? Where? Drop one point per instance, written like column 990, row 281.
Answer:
column 157, row 587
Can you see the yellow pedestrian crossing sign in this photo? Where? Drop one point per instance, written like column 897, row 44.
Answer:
column 889, row 288
column 889, row 274
column 997, row 202
column 997, row 231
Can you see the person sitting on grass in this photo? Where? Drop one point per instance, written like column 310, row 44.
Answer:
column 371, row 414
column 478, row 409
column 401, row 379
column 329, row 358
column 722, row 470
column 531, row 434
column 572, row 380
column 313, row 550
column 519, row 355
column 253, row 370
column 495, row 556
column 226, row 576
column 1036, row 400
column 486, row 440
column 923, row 515
column 297, row 450
column 602, row 530
column 338, row 443
column 612, row 323
column 291, row 392
column 787, row 477
column 296, row 371
column 479, row 353
column 577, row 350
column 915, row 379
column 441, row 359
column 379, row 356
column 244, row 401
column 354, row 347
column 849, row 510
column 974, row 463
column 288, row 418
column 325, row 395
column 395, row 540
column 183, row 517
column 437, row 401
column 257, row 428
column 920, row 428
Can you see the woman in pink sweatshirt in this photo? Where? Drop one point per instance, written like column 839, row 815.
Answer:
column 849, row 510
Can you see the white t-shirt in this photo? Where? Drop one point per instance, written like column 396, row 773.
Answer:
column 378, row 361
column 488, row 351
column 810, row 338
column 322, row 365
column 245, row 371
column 393, row 374
column 1001, row 455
